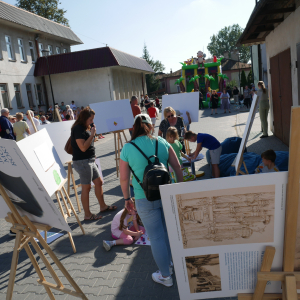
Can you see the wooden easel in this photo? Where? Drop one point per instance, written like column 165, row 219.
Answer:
column 71, row 176
column 239, row 171
column 60, row 195
column 26, row 231
column 31, row 120
column 118, row 141
column 288, row 277
column 187, row 147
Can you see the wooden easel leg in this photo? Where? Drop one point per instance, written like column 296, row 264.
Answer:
column 45, row 236
column 75, row 190
column 120, row 138
column 13, row 268
column 116, row 154
column 291, row 289
column 265, row 267
column 65, row 203
column 69, row 177
column 65, row 216
column 124, row 136
column 38, row 270
column 60, row 266
column 72, row 208
column 245, row 167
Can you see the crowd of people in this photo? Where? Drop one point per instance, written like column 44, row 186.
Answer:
column 139, row 215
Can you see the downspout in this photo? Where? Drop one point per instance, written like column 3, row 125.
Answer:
column 143, row 84
column 259, row 63
column 45, row 92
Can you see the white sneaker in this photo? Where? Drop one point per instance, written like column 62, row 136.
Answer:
column 166, row 281
column 106, row 245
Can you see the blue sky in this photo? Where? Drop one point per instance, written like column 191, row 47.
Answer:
column 173, row 30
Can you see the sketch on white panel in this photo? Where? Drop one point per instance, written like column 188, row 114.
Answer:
column 112, row 115
column 204, row 273
column 44, row 156
column 226, row 217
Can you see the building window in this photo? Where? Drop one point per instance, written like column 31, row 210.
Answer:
column 29, row 95
column 41, row 47
column 9, row 47
column 31, row 48
column 57, row 50
column 21, row 50
column 50, row 48
column 4, row 93
column 40, row 94
column 18, row 95
column 65, row 50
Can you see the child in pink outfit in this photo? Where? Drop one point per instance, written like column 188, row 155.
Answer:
column 125, row 229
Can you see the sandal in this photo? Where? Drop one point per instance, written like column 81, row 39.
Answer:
column 108, row 208
column 93, row 217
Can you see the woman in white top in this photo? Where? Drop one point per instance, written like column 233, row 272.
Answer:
column 70, row 112
column 263, row 98
column 225, row 101
column 35, row 121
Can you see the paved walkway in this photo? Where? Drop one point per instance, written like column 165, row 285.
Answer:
column 125, row 271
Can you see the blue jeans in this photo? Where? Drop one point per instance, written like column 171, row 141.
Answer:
column 152, row 216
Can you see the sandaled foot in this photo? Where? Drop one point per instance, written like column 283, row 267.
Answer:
column 93, row 217
column 109, row 208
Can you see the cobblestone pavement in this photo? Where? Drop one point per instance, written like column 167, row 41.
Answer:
column 125, row 271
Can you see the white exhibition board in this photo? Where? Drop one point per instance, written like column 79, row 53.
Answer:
column 248, row 127
column 218, row 230
column 59, row 133
column 112, row 115
column 25, row 189
column 44, row 160
column 183, row 102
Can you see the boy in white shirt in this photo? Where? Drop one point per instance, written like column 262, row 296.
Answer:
column 268, row 163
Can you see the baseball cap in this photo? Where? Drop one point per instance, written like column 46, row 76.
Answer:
column 145, row 118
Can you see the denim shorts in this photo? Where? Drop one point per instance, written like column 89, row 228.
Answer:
column 87, row 170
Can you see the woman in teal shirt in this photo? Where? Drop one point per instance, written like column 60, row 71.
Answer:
column 151, row 213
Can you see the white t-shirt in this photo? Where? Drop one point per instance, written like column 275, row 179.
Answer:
column 73, row 106
column 36, row 122
column 262, row 168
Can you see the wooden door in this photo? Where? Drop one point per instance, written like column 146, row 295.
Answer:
column 275, row 80
column 298, row 71
column 282, row 94
column 285, row 93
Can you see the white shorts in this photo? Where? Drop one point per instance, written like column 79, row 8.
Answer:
column 153, row 120
column 215, row 156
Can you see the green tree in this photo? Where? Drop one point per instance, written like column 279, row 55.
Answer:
column 232, row 84
column 225, row 40
column 250, row 78
column 243, row 79
column 45, row 8
column 157, row 66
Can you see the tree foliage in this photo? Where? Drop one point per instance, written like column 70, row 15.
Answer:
column 225, row 40
column 157, row 66
column 232, row 84
column 243, row 79
column 45, row 8
column 250, row 78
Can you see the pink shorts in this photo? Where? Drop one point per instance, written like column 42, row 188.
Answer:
column 128, row 239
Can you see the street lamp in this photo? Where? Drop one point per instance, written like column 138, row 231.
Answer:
column 46, row 53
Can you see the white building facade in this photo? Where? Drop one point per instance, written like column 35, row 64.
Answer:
column 22, row 37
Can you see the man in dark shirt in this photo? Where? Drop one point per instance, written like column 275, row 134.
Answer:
column 6, row 129
column 147, row 102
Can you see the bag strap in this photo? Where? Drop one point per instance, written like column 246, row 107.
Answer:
column 148, row 159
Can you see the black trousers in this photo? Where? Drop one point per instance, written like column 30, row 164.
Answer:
column 247, row 102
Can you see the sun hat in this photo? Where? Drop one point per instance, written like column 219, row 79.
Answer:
column 145, row 118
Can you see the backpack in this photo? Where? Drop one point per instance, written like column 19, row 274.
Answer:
column 155, row 174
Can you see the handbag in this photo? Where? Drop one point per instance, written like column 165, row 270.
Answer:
column 68, row 147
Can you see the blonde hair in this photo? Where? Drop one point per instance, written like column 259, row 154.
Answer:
column 262, row 84
column 167, row 110
column 19, row 116
column 172, row 132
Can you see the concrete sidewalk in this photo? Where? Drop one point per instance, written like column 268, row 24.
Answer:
column 125, row 271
